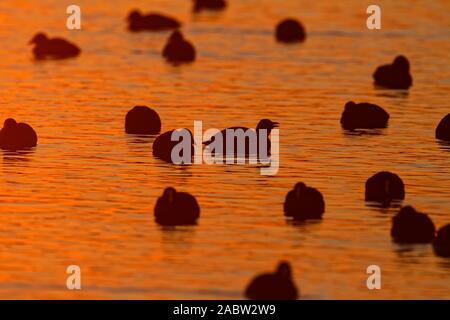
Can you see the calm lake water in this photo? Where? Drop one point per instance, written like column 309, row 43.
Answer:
column 85, row 195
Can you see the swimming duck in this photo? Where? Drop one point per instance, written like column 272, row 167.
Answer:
column 17, row 136
column 151, row 22
column 443, row 129
column 53, row 48
column 178, row 50
column 289, row 31
column 278, row 285
column 384, row 187
column 441, row 244
column 363, row 116
column 163, row 146
column 176, row 208
column 304, row 203
column 142, row 120
column 410, row 226
column 209, row 5
column 395, row 75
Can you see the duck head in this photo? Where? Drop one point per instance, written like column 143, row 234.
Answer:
column 401, row 63
column 407, row 210
column 350, row 105
column 284, row 270
column 39, row 38
column 267, row 125
column 299, row 187
column 134, row 15
column 176, row 36
column 169, row 194
column 9, row 123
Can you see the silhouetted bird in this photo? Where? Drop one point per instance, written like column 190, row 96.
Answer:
column 443, row 129
column 176, row 208
column 395, row 75
column 304, row 203
column 142, row 120
column 200, row 5
column 178, row 50
column 290, row 30
column 363, row 116
column 17, row 136
column 410, row 226
column 441, row 244
column 273, row 286
column 151, row 22
column 262, row 146
column 55, row 48
column 384, row 187
column 163, row 146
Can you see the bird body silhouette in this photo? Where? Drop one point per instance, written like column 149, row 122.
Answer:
column 151, row 22
column 176, row 208
column 53, row 48
column 384, row 187
column 290, row 31
column 395, row 75
column 410, row 226
column 303, row 203
column 273, row 286
column 17, row 136
column 142, row 120
column 441, row 243
column 443, row 129
column 177, row 50
column 363, row 116
column 215, row 5
column 163, row 146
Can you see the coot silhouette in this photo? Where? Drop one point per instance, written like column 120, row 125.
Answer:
column 142, row 120
column 304, row 203
column 17, row 136
column 410, row 226
column 178, row 50
column 395, row 75
column 363, row 116
column 265, row 144
column 273, row 286
column 151, row 22
column 384, row 187
column 443, row 129
column 53, row 48
column 176, row 208
column 200, row 5
column 163, row 146
column 289, row 31
column 441, row 244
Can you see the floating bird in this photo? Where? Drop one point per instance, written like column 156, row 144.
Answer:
column 142, row 120
column 384, row 187
column 163, row 146
column 17, row 136
column 289, row 31
column 262, row 140
column 363, row 116
column 215, row 5
column 395, row 75
column 178, row 50
column 54, row 48
column 410, row 226
column 273, row 286
column 151, row 22
column 304, row 203
column 176, row 208
column 441, row 244
column 443, row 129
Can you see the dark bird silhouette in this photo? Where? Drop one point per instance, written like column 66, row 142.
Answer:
column 176, row 208
column 273, row 286
column 54, row 48
column 289, row 31
column 395, row 75
column 17, row 136
column 178, row 50
column 443, row 129
column 215, row 5
column 410, row 226
column 262, row 140
column 151, row 22
column 363, row 116
column 384, row 187
column 441, row 244
column 163, row 146
column 304, row 203
column 142, row 120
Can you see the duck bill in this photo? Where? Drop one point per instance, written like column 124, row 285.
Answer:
column 275, row 124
